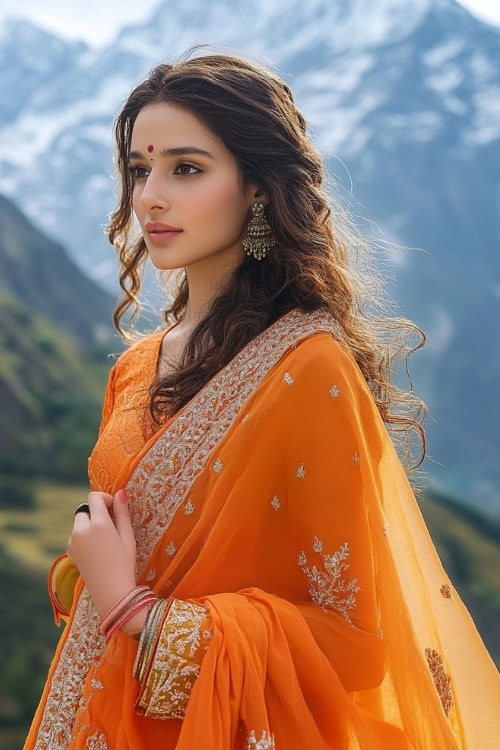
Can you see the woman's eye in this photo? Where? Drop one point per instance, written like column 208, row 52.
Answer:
column 134, row 171
column 191, row 166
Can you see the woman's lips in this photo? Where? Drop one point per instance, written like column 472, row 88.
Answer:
column 159, row 237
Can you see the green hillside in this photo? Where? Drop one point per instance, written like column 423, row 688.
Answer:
column 51, row 391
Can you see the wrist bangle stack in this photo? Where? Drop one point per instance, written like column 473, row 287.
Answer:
column 151, row 630
column 125, row 608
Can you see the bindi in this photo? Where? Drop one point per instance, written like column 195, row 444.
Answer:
column 150, row 149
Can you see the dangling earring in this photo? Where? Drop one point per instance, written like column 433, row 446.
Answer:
column 260, row 237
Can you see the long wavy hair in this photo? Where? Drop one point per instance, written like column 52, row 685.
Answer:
column 253, row 112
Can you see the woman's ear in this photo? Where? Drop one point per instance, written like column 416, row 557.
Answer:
column 261, row 196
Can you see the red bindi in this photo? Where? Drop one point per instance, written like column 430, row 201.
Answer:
column 150, row 148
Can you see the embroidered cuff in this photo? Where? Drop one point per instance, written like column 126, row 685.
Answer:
column 176, row 661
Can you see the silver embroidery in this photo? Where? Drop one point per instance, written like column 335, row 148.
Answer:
column 385, row 527
column 301, row 472
column 325, row 584
column 188, row 508
column 246, row 417
column 317, row 545
column 266, row 741
column 83, row 648
column 355, row 458
column 275, row 502
column 288, row 378
column 97, row 684
column 97, row 741
column 334, row 391
column 151, row 575
column 217, row 465
column 171, row 550
column 179, row 455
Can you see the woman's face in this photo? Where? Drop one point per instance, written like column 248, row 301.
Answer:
column 194, row 192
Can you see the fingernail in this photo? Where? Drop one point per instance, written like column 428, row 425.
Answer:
column 123, row 496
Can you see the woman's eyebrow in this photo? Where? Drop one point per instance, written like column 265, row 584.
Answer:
column 179, row 151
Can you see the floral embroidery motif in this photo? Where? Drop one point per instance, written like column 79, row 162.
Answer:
column 301, row 472
column 97, row 741
column 246, row 417
column 275, row 502
column 441, row 679
column 171, row 549
column 266, row 741
column 445, row 590
column 97, row 684
column 180, row 453
column 355, row 458
column 317, row 545
column 334, row 391
column 188, row 508
column 385, row 527
column 176, row 662
column 217, row 465
column 288, row 378
column 325, row 584
column 151, row 575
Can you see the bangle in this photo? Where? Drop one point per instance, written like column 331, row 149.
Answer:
column 130, row 612
column 110, row 612
column 123, row 610
column 149, row 636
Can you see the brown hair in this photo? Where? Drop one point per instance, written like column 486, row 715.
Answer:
column 253, row 113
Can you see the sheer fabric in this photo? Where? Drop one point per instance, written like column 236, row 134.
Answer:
column 311, row 609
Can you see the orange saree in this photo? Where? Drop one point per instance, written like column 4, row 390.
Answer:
column 310, row 608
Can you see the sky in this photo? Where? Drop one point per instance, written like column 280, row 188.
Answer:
column 97, row 21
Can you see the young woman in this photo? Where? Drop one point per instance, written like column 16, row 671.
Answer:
column 252, row 568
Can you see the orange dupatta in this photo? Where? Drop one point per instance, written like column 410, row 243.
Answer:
column 311, row 609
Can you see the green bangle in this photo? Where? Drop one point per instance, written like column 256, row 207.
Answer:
column 151, row 636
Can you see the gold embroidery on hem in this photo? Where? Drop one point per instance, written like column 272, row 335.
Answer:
column 175, row 665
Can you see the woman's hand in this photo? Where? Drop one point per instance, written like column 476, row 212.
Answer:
column 104, row 549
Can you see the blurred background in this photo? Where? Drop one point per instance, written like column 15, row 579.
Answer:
column 402, row 98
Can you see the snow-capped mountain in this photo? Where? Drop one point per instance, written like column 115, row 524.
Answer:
column 403, row 99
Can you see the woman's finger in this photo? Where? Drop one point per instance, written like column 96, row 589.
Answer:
column 98, row 506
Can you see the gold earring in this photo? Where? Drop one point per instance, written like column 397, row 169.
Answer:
column 260, row 237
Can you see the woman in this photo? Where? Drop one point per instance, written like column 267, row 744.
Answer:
column 269, row 581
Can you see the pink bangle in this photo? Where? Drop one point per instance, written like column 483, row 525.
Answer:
column 126, row 616
column 108, row 616
column 127, row 606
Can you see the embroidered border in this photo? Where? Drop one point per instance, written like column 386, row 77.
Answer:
column 176, row 662
column 177, row 456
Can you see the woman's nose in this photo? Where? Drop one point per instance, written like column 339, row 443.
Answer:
column 153, row 193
